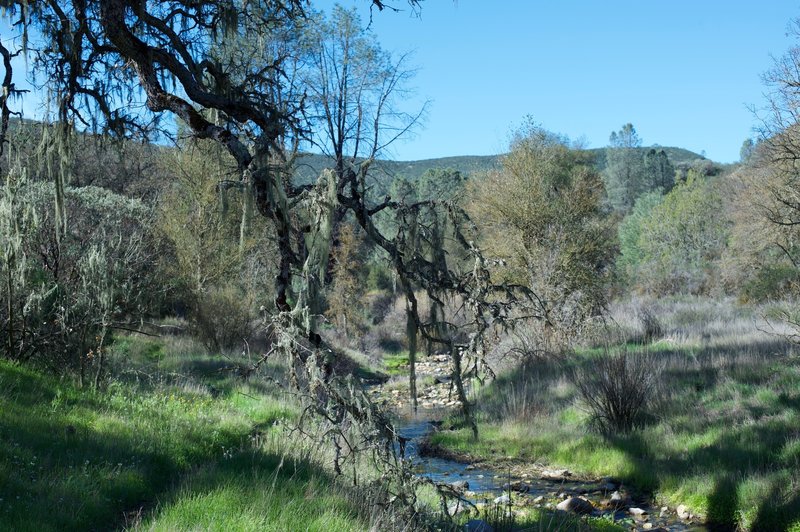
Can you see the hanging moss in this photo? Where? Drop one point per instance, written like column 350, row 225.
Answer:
column 247, row 216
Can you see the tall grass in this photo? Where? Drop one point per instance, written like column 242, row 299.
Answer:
column 725, row 437
column 177, row 442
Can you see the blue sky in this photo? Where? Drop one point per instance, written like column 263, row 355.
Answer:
column 682, row 72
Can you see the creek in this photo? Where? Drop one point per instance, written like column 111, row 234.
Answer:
column 484, row 485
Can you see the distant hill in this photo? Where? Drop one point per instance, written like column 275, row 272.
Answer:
column 677, row 156
column 384, row 171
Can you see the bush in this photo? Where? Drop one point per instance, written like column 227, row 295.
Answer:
column 651, row 326
column 221, row 319
column 772, row 281
column 619, row 389
column 67, row 285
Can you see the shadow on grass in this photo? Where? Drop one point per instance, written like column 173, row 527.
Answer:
column 70, row 460
column 777, row 511
column 723, row 505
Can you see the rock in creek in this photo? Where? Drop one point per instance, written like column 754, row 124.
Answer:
column 555, row 474
column 502, row 499
column 617, row 502
column 683, row 511
column 460, row 485
column 576, row 505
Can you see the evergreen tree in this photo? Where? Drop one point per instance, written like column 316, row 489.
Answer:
column 625, row 175
column 659, row 171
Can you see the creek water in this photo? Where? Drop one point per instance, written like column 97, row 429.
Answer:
column 488, row 483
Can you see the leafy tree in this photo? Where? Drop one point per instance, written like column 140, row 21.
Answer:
column 680, row 241
column 627, row 137
column 632, row 256
column 65, row 294
column 442, row 184
column 541, row 215
column 746, row 151
column 216, row 256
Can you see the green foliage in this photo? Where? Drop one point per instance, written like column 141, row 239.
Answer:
column 659, row 170
column 624, row 174
column 64, row 294
column 747, row 150
column 221, row 260
column 542, row 216
column 672, row 246
column 440, row 185
column 631, row 170
column 631, row 255
column 770, row 282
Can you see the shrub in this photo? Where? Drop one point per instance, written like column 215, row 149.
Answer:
column 651, row 326
column 221, row 319
column 619, row 389
column 67, row 286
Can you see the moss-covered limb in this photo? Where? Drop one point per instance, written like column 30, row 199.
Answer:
column 411, row 334
column 7, row 93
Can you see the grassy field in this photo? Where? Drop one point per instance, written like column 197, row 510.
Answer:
column 724, row 438
column 159, row 449
column 177, row 442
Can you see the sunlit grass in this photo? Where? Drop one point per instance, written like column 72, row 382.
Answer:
column 723, row 441
column 396, row 363
column 161, row 447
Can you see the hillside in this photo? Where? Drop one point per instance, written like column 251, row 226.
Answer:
column 384, row 171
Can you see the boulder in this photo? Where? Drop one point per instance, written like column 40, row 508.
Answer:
column 554, row 474
column 637, row 512
column 618, row 500
column 460, row 485
column 456, row 508
column 683, row 511
column 575, row 505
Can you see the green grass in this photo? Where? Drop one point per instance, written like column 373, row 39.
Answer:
column 255, row 491
column 725, row 440
column 163, row 452
column 396, row 363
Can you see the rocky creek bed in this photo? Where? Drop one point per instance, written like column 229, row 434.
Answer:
column 520, row 487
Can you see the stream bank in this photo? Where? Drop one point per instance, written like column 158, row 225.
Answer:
column 519, row 486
